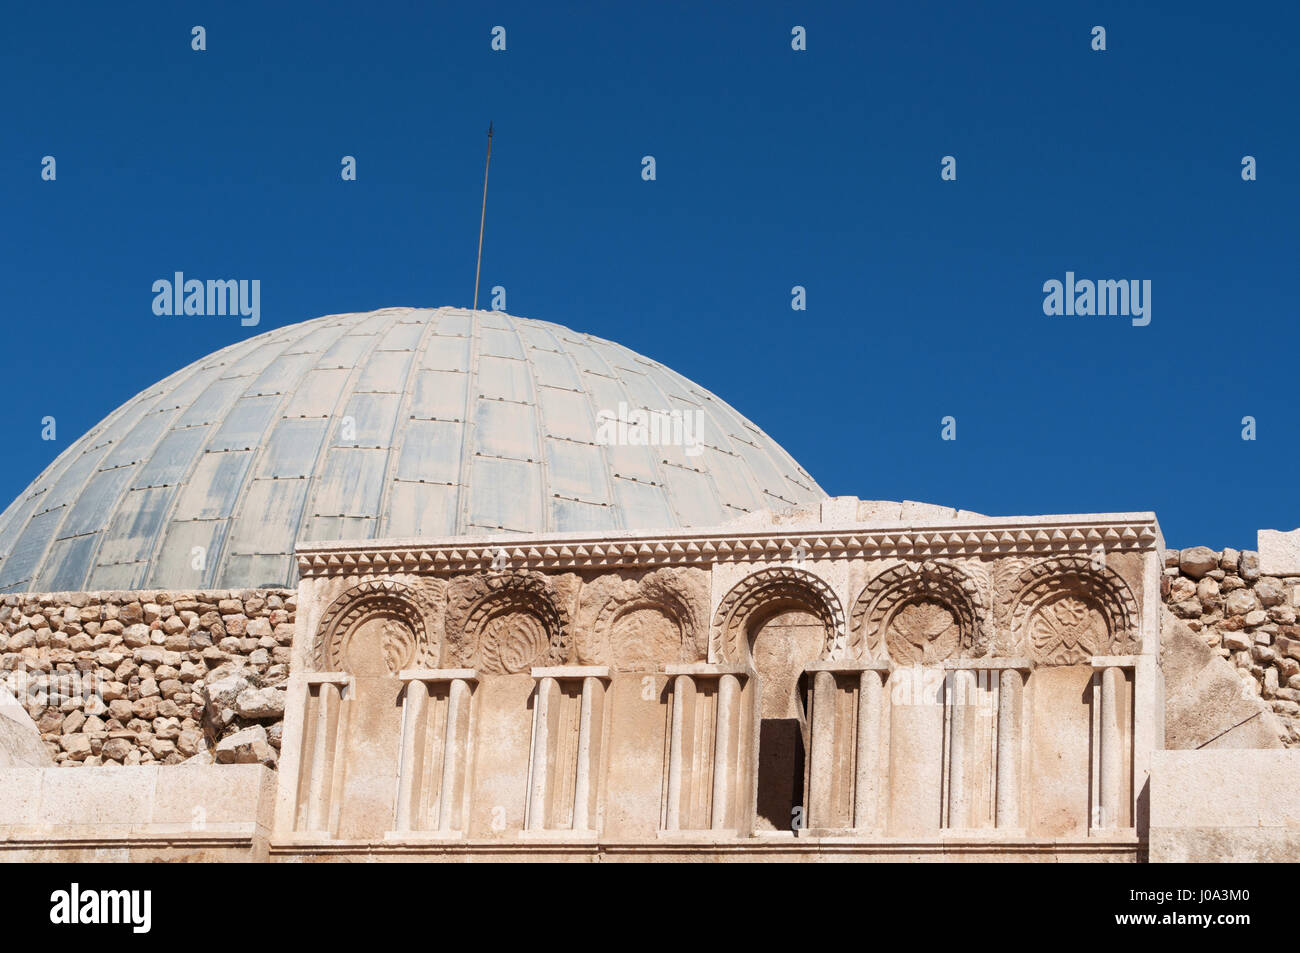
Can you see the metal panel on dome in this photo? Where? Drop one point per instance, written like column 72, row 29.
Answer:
column 643, row 393
column 493, row 320
column 634, row 461
column 440, row 394
column 350, row 483
column 118, row 576
column 66, row 564
column 452, row 322
column 642, row 504
column 367, row 421
column 576, row 470
column 211, row 405
column 245, row 424
column 317, row 393
column 171, row 459
column 575, row 516
column 430, row 451
column 567, row 414
column 536, row 335
column 375, row 322
column 385, row 372
column 293, row 448
column 268, row 519
column 21, row 564
column 770, row 476
column 136, row 525
column 17, row 521
column 249, row 571
column 735, row 483
column 318, row 340
column 505, row 429
column 589, row 361
column 256, row 360
column 283, row 375
column 95, row 502
column 346, row 351
column 143, row 437
column 500, row 343
column 68, row 487
column 447, row 354
column 213, row 490
column 188, row 554
column 505, row 494
column 338, row 527
column 555, row 370
column 694, row 498
column 421, row 509
column 404, row 336
column 505, row 379
column 187, row 390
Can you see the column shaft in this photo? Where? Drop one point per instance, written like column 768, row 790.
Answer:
column 961, row 701
column 1010, row 689
column 820, row 809
column 725, row 751
column 453, row 756
column 411, row 763
column 588, row 749
column 538, row 799
column 678, row 756
column 1112, row 748
column 866, row 791
column 322, row 756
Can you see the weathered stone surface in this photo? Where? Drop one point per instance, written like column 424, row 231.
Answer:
column 260, row 703
column 1270, row 591
column 1197, row 561
column 20, row 739
column 1205, row 705
column 1240, row 602
column 1279, row 552
column 1221, row 806
column 249, row 746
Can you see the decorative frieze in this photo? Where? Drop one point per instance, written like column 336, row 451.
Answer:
column 991, row 537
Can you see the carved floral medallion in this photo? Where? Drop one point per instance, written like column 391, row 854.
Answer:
column 1069, row 629
column 922, row 633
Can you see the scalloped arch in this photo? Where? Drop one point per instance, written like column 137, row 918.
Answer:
column 770, row 585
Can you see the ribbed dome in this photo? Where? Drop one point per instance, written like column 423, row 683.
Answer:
column 397, row 423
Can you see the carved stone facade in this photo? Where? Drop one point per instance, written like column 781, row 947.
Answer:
column 710, row 691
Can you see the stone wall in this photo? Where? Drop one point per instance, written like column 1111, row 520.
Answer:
column 162, row 677
column 151, row 677
column 1244, row 616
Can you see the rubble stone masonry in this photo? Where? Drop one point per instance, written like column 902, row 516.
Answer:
column 151, row 677
column 1246, row 617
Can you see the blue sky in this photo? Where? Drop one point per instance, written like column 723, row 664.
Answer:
column 775, row 168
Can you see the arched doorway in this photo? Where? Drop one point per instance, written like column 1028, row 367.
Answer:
column 783, row 638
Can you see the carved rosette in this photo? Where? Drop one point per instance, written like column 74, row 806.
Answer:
column 394, row 608
column 1067, row 610
column 505, row 623
column 644, row 624
column 920, row 614
column 783, row 584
